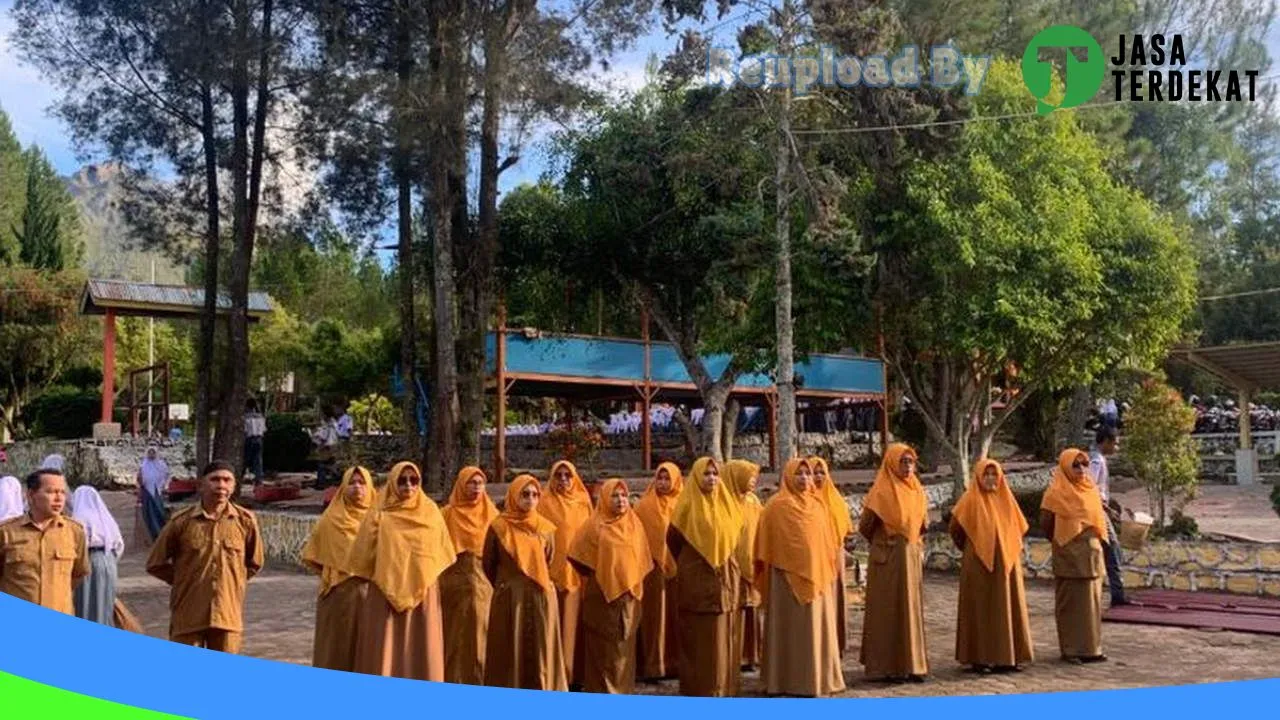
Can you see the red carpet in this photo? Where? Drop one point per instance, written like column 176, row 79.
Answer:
column 1210, row 611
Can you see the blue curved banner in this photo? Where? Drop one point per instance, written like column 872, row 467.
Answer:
column 103, row 663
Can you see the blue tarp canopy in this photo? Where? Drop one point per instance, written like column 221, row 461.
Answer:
column 592, row 367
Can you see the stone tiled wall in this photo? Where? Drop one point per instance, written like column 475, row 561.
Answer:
column 105, row 464
column 284, row 535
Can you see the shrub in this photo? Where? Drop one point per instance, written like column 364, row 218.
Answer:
column 64, row 412
column 1275, row 498
column 1180, row 527
column 1158, row 441
column 287, row 444
column 1029, row 501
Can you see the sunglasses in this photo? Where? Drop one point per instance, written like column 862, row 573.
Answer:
column 408, row 481
column 1078, row 464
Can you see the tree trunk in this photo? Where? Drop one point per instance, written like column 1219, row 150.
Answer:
column 785, row 335
column 731, row 412
column 1071, row 427
column 401, row 170
column 688, row 430
column 212, row 241
column 713, row 419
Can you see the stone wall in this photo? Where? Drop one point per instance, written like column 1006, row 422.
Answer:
column 285, row 534
column 102, row 464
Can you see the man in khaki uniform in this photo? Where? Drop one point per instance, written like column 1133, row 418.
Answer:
column 207, row 553
column 43, row 554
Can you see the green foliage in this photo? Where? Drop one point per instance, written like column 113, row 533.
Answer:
column 64, row 412
column 12, row 190
column 374, row 412
column 1158, row 442
column 325, row 275
column 345, row 361
column 172, row 345
column 41, row 335
column 1275, row 498
column 1029, row 502
column 49, row 236
column 1180, row 527
column 286, row 445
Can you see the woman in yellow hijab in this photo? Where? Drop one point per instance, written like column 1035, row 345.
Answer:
column 743, row 476
column 341, row 595
column 612, row 553
column 402, row 547
column 1072, row 516
column 993, row 630
column 524, row 648
column 841, row 528
column 465, row 592
column 796, row 570
column 568, row 506
column 706, row 528
column 894, row 515
column 657, row 644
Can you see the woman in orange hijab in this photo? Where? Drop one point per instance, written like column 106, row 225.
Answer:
column 341, row 595
column 657, row 643
column 612, row 553
column 1072, row 516
column 465, row 592
column 894, row 517
column 795, row 567
column 568, row 507
column 993, row 630
column 401, row 549
column 524, row 648
column 706, row 528
column 743, row 475
column 841, row 528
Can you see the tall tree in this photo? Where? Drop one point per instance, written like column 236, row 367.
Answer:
column 12, row 189
column 49, row 236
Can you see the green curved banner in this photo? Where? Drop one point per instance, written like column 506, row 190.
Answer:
column 26, row 699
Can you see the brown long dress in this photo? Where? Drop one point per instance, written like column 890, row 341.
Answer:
column 707, row 604
column 993, row 628
column 465, row 594
column 842, row 604
column 524, row 647
column 609, row 640
column 1078, row 569
column 658, row 638
column 753, row 628
column 411, row 643
column 809, row 663
column 893, row 636
column 335, row 639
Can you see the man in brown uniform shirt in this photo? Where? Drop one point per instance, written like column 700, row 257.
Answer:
column 207, row 553
column 42, row 553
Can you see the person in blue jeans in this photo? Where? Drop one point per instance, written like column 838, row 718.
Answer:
column 1106, row 443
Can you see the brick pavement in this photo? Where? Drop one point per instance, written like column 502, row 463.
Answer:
column 280, row 608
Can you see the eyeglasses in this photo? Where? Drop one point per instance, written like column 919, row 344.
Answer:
column 409, row 481
column 1079, row 464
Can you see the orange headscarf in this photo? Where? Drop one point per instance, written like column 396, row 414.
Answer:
column 709, row 521
column 899, row 502
column 992, row 519
column 569, row 510
column 654, row 510
column 614, row 546
column 739, row 474
column 468, row 520
column 402, row 545
column 837, row 508
column 795, row 537
column 1075, row 504
column 326, row 550
column 524, row 535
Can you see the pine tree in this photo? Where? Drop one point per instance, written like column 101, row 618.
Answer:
column 12, row 192
column 48, row 237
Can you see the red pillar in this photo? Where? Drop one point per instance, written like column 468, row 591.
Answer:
column 108, row 365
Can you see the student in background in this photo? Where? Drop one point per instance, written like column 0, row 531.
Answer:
column 95, row 598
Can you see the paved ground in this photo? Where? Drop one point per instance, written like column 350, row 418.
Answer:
column 280, row 610
column 1239, row 511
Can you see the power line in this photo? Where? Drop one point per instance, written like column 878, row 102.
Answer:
column 1249, row 293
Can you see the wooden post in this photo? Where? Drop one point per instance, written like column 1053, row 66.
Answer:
column 646, row 437
column 108, row 365
column 1246, row 430
column 884, row 381
column 772, row 404
column 500, row 375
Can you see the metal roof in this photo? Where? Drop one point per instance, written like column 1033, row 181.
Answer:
column 1247, row 366
column 147, row 300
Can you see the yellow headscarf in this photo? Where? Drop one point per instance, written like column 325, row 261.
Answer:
column 654, row 510
column 739, row 474
column 468, row 521
column 833, row 501
column 614, row 546
column 992, row 519
column 331, row 539
column 403, row 545
column 709, row 521
column 569, row 510
column 795, row 537
column 524, row 535
column 1075, row 504
column 899, row 502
